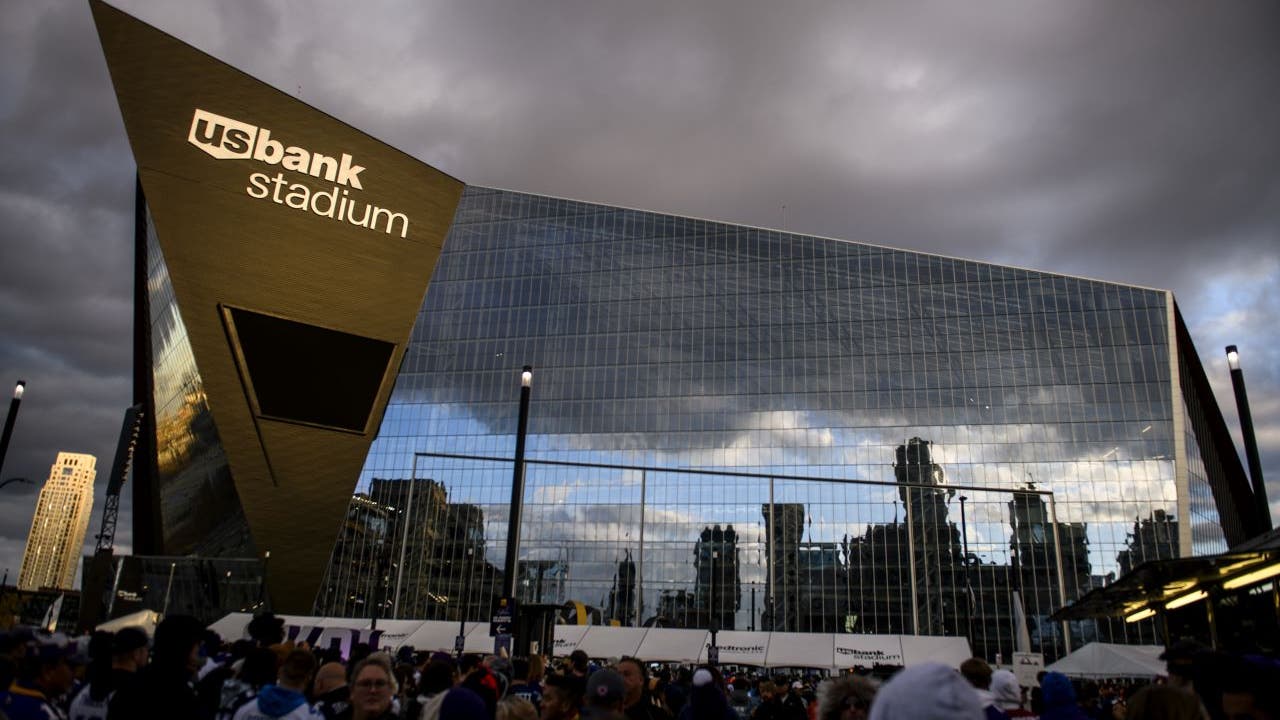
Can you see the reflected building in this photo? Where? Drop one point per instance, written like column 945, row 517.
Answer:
column 807, row 391
column 783, row 527
column 543, row 581
column 622, row 608
column 718, row 589
column 405, row 551
column 358, row 573
column 1152, row 538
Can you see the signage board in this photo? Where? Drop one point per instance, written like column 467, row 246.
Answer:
column 503, row 619
column 1026, row 666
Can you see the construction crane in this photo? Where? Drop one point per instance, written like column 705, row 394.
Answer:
column 129, row 430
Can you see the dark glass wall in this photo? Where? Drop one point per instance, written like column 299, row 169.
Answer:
column 672, row 343
column 199, row 509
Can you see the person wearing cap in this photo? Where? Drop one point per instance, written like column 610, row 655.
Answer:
column 127, row 653
column 603, row 697
column 793, row 705
column 1180, row 661
column 164, row 687
column 463, row 704
column 44, row 676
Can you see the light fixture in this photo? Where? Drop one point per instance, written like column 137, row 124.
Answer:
column 19, row 389
column 1187, row 599
column 1233, row 357
column 1253, row 577
column 1142, row 614
column 526, row 377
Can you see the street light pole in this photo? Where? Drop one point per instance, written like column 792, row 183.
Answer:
column 12, row 417
column 968, row 587
column 1250, row 441
column 517, row 486
column 713, row 654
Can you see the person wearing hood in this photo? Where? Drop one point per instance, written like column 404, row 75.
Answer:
column 929, row 691
column 1007, row 693
column 845, row 698
column 978, row 673
column 1059, row 699
column 286, row 700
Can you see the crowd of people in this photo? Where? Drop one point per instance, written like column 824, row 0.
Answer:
column 186, row 671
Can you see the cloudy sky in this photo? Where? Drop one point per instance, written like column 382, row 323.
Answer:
column 1133, row 142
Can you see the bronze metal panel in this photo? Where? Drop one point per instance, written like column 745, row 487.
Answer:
column 226, row 246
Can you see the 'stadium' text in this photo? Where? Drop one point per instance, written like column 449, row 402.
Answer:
column 333, row 204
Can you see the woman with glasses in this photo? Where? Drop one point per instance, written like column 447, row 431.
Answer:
column 373, row 686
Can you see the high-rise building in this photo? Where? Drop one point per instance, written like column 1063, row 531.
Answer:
column 59, row 525
column 718, row 585
column 865, row 418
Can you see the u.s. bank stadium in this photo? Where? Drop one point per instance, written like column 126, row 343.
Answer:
column 729, row 427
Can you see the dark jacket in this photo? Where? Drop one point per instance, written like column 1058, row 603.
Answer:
column 161, row 691
column 646, row 710
column 334, row 702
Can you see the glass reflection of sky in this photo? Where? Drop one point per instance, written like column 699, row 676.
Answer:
column 671, row 342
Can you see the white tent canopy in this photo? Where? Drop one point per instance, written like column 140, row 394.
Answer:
column 1106, row 660
column 768, row 649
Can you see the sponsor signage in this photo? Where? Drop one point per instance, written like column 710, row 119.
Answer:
column 296, row 171
column 738, row 646
column 867, row 650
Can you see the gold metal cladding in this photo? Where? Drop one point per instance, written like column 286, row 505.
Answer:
column 225, row 246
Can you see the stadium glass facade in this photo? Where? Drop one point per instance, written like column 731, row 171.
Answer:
column 903, row 441
column 731, row 427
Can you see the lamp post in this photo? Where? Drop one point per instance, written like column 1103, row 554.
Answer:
column 460, row 642
column 13, row 416
column 262, row 590
column 1250, row 442
column 517, row 486
column 713, row 653
column 964, row 563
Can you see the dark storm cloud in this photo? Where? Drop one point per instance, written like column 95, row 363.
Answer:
column 1130, row 142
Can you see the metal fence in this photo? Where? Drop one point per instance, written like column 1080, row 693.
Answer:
column 682, row 547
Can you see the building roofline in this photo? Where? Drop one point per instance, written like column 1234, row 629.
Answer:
column 822, row 237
